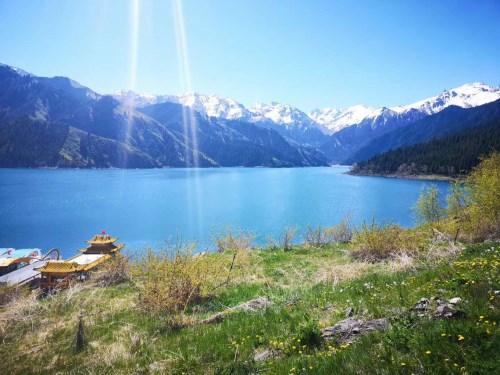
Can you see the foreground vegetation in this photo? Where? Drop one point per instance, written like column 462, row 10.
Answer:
column 309, row 289
column 173, row 311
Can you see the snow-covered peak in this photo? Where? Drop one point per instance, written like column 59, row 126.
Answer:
column 211, row 105
column 133, row 99
column 465, row 96
column 282, row 114
column 334, row 119
column 328, row 120
column 206, row 105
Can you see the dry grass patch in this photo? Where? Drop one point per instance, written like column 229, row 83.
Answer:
column 342, row 272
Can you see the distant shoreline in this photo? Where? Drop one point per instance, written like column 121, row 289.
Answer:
column 423, row 177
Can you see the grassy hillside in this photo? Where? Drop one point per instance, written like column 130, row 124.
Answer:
column 309, row 288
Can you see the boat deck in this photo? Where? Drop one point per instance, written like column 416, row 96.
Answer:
column 24, row 274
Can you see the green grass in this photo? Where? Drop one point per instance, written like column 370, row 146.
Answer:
column 123, row 339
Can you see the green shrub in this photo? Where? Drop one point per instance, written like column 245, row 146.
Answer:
column 172, row 279
column 375, row 241
column 429, row 209
column 482, row 219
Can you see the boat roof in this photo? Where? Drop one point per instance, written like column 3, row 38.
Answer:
column 101, row 239
column 81, row 262
column 58, row 266
column 18, row 253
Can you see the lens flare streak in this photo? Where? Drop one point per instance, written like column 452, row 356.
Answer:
column 188, row 120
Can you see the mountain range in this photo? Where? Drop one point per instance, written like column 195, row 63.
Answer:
column 339, row 133
column 57, row 122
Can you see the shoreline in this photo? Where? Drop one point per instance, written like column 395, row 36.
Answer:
column 422, row 177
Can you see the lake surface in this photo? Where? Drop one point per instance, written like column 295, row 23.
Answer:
column 62, row 208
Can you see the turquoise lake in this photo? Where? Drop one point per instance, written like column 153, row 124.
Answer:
column 62, row 208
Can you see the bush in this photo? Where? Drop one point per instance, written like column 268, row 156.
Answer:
column 342, row 233
column 482, row 219
column 374, row 242
column 319, row 236
column 429, row 209
column 172, row 279
column 114, row 271
column 457, row 202
column 316, row 236
column 285, row 239
column 231, row 240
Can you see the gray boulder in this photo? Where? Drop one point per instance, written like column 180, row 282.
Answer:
column 422, row 305
column 348, row 330
column 266, row 354
column 446, row 310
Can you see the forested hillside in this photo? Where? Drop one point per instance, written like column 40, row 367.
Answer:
column 452, row 155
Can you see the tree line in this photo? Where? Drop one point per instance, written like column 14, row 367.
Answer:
column 453, row 155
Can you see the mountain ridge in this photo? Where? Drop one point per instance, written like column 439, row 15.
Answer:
column 49, row 103
column 323, row 136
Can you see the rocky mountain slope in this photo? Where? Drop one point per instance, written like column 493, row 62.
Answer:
column 46, row 103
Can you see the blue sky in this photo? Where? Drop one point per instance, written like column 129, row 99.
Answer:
column 305, row 53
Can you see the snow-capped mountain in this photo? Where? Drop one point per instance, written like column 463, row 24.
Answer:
column 42, row 119
column 327, row 120
column 282, row 114
column 206, row 105
column 227, row 108
column 466, row 96
column 212, row 105
column 334, row 120
column 133, row 99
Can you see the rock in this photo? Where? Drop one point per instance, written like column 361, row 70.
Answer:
column 445, row 311
column 422, row 305
column 253, row 305
column 217, row 318
column 455, row 300
column 266, row 354
column 349, row 312
column 348, row 330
